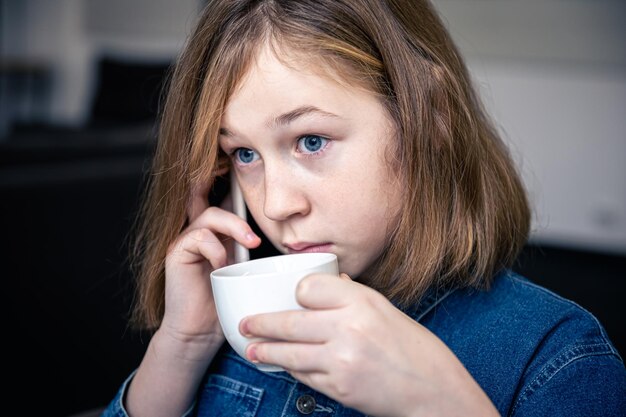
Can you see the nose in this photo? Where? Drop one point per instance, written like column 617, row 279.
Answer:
column 284, row 195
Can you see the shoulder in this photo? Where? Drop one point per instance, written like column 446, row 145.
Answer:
column 517, row 338
column 574, row 382
column 520, row 309
column 542, row 312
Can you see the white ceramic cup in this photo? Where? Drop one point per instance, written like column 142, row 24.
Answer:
column 262, row 286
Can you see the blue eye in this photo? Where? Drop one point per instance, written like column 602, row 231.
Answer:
column 245, row 156
column 311, row 144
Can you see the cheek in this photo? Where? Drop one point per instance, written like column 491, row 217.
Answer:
column 254, row 203
column 365, row 213
column 375, row 207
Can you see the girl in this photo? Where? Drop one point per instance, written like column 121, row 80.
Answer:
column 352, row 128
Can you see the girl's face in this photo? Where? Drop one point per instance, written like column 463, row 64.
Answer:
column 310, row 157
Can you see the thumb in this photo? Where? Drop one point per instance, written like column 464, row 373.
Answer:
column 320, row 291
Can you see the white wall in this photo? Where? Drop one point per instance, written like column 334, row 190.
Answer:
column 553, row 75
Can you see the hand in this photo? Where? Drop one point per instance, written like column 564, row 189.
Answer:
column 190, row 335
column 356, row 347
column 206, row 244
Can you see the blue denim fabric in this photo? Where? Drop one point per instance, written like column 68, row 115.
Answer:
column 533, row 353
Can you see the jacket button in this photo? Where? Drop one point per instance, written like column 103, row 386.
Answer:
column 305, row 404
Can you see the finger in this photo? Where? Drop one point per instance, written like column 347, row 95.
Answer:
column 294, row 357
column 323, row 291
column 198, row 245
column 228, row 224
column 313, row 379
column 211, row 235
column 306, row 326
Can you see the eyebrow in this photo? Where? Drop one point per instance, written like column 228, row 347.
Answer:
column 288, row 117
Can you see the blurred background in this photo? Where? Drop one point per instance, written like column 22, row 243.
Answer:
column 80, row 84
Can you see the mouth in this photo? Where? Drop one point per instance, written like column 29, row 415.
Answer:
column 308, row 247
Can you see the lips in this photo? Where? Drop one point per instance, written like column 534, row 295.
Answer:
column 308, row 247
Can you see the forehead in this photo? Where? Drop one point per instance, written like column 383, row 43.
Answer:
column 283, row 92
column 279, row 79
column 274, row 60
column 276, row 83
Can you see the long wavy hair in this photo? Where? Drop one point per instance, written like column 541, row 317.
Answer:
column 465, row 214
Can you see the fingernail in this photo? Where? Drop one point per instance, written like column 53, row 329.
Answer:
column 243, row 328
column 251, row 353
column 250, row 236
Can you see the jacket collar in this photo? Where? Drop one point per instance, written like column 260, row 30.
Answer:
column 433, row 297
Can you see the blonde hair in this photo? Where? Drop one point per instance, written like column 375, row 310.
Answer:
column 465, row 213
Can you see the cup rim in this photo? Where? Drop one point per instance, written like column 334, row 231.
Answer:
column 227, row 272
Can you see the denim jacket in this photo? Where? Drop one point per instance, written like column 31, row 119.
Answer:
column 532, row 352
